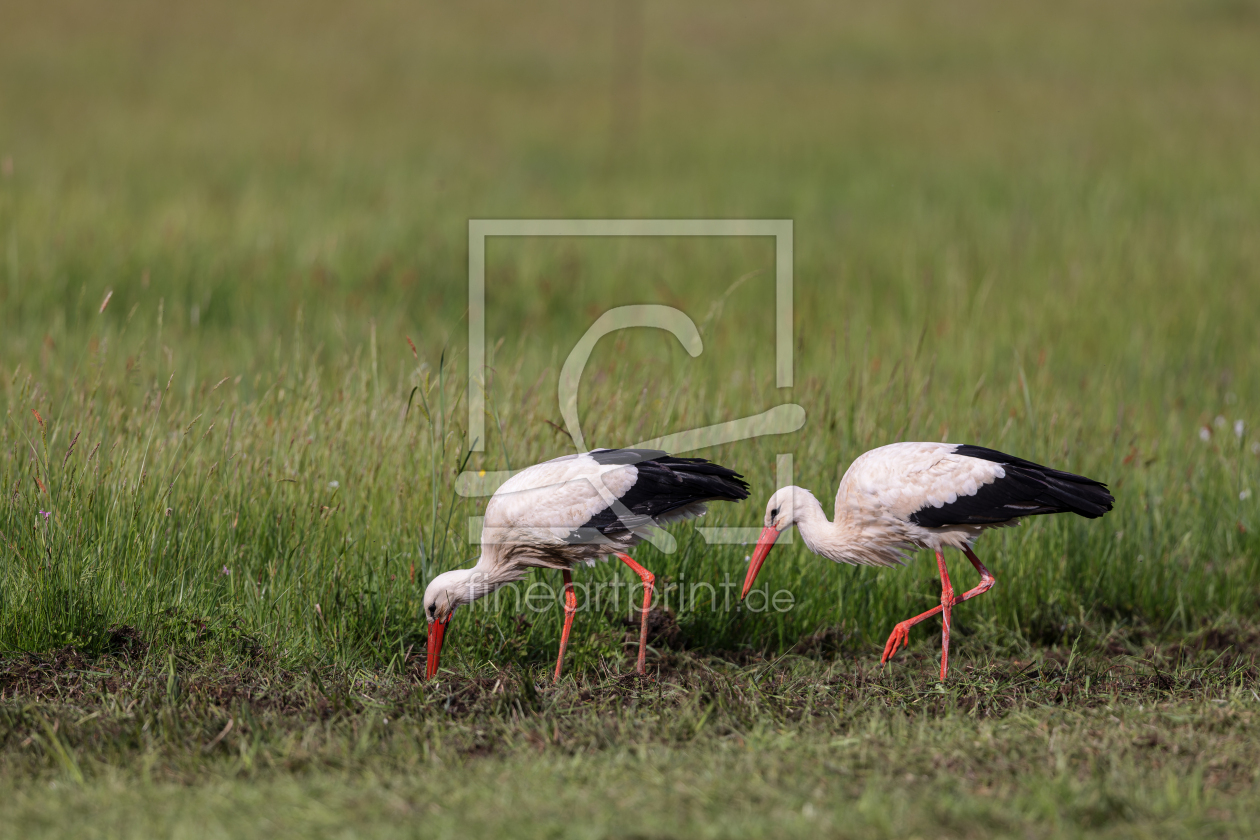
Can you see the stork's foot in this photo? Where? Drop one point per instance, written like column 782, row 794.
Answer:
column 900, row 638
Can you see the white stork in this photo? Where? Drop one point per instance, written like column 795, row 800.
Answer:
column 574, row 510
column 907, row 496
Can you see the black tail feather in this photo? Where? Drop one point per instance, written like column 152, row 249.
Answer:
column 1028, row 489
column 666, row 483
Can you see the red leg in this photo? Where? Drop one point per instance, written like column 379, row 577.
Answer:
column 900, row 636
column 947, row 606
column 901, row 633
column 986, row 577
column 570, row 607
column 648, row 579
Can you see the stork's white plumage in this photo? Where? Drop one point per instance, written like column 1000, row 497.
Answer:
column 907, row 496
column 575, row 510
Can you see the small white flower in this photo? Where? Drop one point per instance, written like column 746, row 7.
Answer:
column 1220, row 421
column 1238, row 429
column 333, row 485
column 1205, row 434
column 1255, row 448
column 747, row 558
column 1244, row 495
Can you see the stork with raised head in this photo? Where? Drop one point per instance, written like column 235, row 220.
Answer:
column 572, row 511
column 907, row 496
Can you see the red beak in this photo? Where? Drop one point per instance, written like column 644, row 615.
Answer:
column 764, row 543
column 437, row 629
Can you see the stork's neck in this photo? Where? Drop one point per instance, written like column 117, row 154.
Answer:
column 822, row 536
column 470, row 584
column 854, row 537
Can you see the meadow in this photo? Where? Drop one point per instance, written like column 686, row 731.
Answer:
column 234, row 370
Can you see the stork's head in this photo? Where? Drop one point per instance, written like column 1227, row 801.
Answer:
column 781, row 509
column 444, row 593
column 780, row 515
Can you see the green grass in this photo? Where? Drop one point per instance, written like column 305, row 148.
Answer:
column 1029, row 228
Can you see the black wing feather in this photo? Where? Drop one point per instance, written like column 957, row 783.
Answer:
column 1028, row 489
column 664, row 484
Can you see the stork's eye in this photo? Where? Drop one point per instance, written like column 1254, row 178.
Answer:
column 774, row 513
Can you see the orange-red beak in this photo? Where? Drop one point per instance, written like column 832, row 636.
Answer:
column 764, row 543
column 437, row 629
